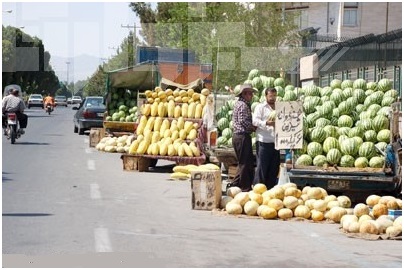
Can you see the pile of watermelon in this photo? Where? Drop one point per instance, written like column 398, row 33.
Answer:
column 345, row 124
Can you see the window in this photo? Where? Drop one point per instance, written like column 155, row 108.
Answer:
column 350, row 14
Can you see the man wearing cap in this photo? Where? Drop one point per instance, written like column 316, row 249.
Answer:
column 242, row 144
column 13, row 103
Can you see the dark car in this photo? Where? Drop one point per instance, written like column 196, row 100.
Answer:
column 90, row 113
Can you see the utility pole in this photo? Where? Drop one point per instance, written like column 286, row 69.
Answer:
column 131, row 57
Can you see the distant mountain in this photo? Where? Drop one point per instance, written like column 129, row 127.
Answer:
column 80, row 68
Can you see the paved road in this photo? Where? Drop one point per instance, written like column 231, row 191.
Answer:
column 67, row 205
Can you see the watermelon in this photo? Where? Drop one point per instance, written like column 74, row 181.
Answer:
column 280, row 91
column 326, row 91
column 359, row 95
column 356, row 132
column 345, row 121
column 359, row 83
column 290, row 96
column 384, row 85
column 304, row 160
column 346, row 84
column 311, row 90
column 333, row 156
column 347, row 92
column 367, row 150
column 376, row 162
column 227, row 133
column 347, row 161
column 322, row 122
column 381, row 146
column 387, row 101
column 370, row 136
column 222, row 124
column 253, row 73
column 371, row 85
column 319, row 160
column 337, row 96
column 361, row 162
column 344, row 130
column 331, row 131
column 314, row 149
column 279, row 82
column 221, row 141
column 317, row 135
column 380, row 122
column 391, row 93
column 336, row 83
column 330, row 143
column 349, row 147
column 383, row 136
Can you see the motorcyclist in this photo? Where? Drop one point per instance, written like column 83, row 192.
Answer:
column 13, row 103
column 48, row 100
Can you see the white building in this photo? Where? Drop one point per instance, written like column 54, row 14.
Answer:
column 350, row 40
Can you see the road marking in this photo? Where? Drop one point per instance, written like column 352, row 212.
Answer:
column 95, row 191
column 102, row 243
column 91, row 165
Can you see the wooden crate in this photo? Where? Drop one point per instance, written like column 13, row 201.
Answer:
column 206, row 189
column 135, row 163
column 96, row 134
column 232, row 171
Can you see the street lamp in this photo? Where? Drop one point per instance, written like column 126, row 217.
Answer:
column 67, row 80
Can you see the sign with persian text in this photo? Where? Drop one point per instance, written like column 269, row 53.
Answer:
column 289, row 125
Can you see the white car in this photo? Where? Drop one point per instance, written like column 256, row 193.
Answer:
column 60, row 101
column 35, row 100
column 76, row 100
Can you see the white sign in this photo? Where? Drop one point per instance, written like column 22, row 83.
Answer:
column 289, row 125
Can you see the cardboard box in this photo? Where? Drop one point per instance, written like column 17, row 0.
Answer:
column 96, row 134
column 206, row 189
column 135, row 163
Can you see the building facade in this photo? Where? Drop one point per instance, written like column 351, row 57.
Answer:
column 349, row 40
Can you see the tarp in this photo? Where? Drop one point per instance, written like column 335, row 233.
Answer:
column 140, row 77
column 197, row 85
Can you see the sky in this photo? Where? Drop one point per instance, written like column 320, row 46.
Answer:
column 82, row 33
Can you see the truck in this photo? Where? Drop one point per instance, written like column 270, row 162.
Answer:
column 359, row 183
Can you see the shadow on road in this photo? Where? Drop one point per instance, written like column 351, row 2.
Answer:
column 31, row 143
column 5, row 178
column 26, row 214
column 162, row 169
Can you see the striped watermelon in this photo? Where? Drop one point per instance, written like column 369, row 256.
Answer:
column 322, row 122
column 230, row 142
column 319, row 160
column 257, row 83
column 376, row 162
column 385, row 111
column 381, row 146
column 222, row 123
column 336, row 83
column 303, row 150
column 290, row 96
column 380, row 122
column 325, row 91
column 359, row 108
column 304, row 160
column 359, row 83
column 347, row 92
column 349, row 147
column 314, row 149
column 253, row 73
column 370, row 136
column 358, row 140
column 333, row 156
column 384, row 85
column 345, row 121
column 221, row 141
column 369, row 92
column 387, row 101
column 383, row 136
column 367, row 150
column 344, row 108
column 371, row 85
column 346, row 84
column 331, row 131
column 311, row 90
column 289, row 87
column 361, row 162
column 347, row 161
column 391, row 93
column 227, row 133
column 337, row 96
column 279, row 82
column 343, row 130
column 280, row 91
column 317, row 135
column 359, row 95
column 330, row 143
column 356, row 132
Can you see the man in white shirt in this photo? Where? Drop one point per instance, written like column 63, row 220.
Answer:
column 268, row 158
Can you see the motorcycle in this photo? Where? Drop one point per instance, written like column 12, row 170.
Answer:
column 12, row 128
column 49, row 108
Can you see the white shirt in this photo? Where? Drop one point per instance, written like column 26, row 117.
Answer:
column 208, row 116
column 264, row 133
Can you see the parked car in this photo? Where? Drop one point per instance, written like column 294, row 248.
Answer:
column 69, row 100
column 60, row 101
column 90, row 113
column 76, row 100
column 35, row 100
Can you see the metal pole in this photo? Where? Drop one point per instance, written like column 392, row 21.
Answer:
column 67, row 79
